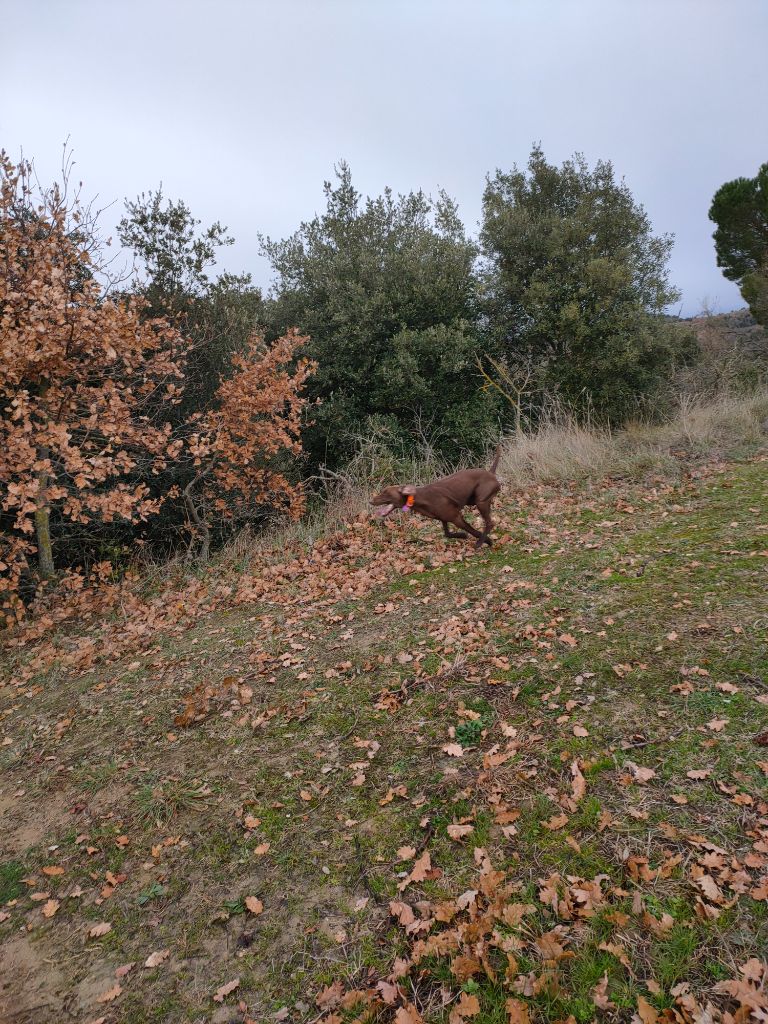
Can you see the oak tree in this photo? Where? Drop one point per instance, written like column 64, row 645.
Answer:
column 80, row 371
column 240, row 446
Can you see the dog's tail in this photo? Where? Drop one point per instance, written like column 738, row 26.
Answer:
column 496, row 457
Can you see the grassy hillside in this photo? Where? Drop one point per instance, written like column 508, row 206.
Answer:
column 384, row 775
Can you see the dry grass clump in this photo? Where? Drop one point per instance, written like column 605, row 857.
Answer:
column 726, row 420
column 563, row 448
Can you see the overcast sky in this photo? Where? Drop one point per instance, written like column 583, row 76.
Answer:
column 242, row 108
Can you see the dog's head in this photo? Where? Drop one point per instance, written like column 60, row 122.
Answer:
column 391, row 498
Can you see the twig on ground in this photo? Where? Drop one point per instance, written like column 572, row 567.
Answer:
column 661, row 739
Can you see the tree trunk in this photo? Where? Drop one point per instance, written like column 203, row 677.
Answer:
column 43, row 527
column 198, row 523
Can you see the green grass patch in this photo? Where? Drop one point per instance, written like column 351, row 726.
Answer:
column 11, row 886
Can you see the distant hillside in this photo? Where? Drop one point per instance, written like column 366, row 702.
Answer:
column 727, row 332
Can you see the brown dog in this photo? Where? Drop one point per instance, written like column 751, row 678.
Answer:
column 445, row 498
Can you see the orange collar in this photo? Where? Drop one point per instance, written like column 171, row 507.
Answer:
column 408, row 502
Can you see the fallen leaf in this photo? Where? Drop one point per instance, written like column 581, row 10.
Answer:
column 53, row 870
column 408, row 1014
column 156, row 958
column 579, row 730
column 617, row 917
column 453, row 749
column 50, row 908
column 388, row 992
column 641, row 774
column 717, row 724
column 555, row 822
column 459, row 831
column 753, row 970
column 99, row 929
column 254, row 904
column 648, row 1014
column 109, row 995
column 406, row 852
column 465, row 967
column 400, row 791
column 517, row 1011
column 421, row 869
column 550, row 946
column 330, row 995
column 709, row 887
column 579, row 784
column 618, row 951
column 467, row 1006
column 605, row 819
column 221, row 993
column 513, row 913
column 746, row 995
column 403, row 912
column 600, row 994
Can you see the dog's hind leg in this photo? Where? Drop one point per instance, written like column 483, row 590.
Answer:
column 484, row 508
column 453, row 534
column 461, row 522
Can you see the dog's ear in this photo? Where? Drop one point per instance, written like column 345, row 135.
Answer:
column 408, row 489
